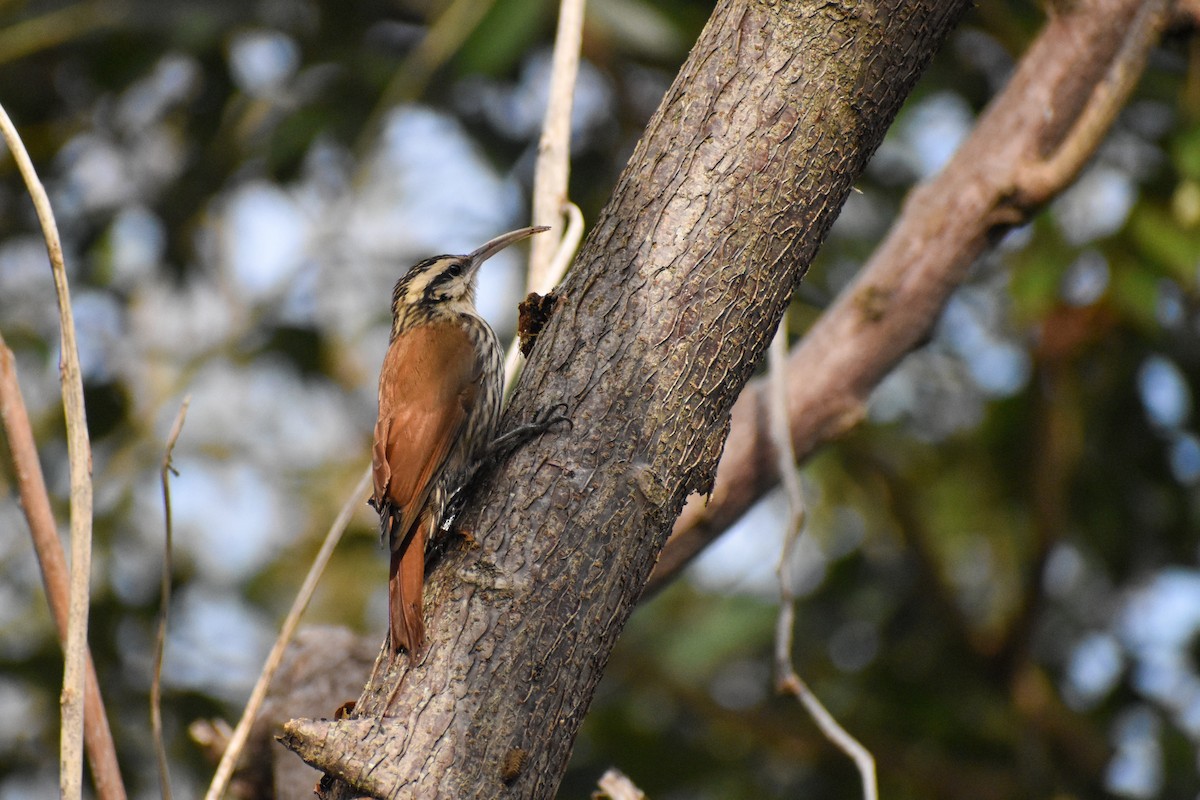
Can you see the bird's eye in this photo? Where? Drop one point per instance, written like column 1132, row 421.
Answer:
column 454, row 270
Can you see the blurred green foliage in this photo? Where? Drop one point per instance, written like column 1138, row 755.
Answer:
column 999, row 574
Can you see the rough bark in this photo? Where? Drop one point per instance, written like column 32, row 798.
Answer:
column 1029, row 145
column 668, row 309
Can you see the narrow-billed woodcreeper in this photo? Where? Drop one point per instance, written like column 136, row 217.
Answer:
column 440, row 391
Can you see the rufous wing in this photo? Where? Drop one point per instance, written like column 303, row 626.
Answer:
column 427, row 388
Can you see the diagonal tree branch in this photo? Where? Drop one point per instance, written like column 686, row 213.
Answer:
column 1028, row 146
column 663, row 318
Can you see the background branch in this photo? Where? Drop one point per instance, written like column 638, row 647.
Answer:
column 160, row 745
column 35, row 502
column 996, row 180
column 551, row 253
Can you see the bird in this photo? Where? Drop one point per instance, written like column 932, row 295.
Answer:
column 440, row 392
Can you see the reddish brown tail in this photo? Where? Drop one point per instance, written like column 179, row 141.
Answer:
column 406, row 582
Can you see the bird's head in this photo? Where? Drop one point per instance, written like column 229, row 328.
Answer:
column 446, row 284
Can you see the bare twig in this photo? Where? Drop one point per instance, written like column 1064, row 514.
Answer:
column 160, row 747
column 1027, row 146
column 80, row 456
column 785, row 459
column 240, row 734
column 785, row 462
column 567, row 246
column 550, row 255
column 553, row 168
column 102, row 754
column 565, row 254
column 786, row 678
column 1046, row 177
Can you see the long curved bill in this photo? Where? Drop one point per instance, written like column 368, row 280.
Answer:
column 500, row 242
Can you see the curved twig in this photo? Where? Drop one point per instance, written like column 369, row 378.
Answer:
column 160, row 747
column 787, row 679
column 79, row 453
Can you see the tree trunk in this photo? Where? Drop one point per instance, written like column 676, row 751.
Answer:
column 667, row 310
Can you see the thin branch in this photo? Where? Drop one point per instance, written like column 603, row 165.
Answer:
column 558, row 268
column 1045, row 179
column 787, row 680
column 567, row 246
column 550, row 255
column 999, row 177
column 160, row 747
column 35, row 501
column 793, row 684
column 80, row 455
column 552, row 172
column 785, row 463
column 242, row 732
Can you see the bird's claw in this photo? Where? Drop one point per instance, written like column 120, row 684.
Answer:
column 547, row 418
column 501, row 448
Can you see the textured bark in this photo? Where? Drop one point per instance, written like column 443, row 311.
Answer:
column 668, row 309
column 1029, row 146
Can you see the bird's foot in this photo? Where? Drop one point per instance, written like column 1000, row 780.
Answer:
column 545, row 419
column 501, row 448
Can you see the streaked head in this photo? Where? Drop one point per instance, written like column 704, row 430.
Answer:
column 447, row 283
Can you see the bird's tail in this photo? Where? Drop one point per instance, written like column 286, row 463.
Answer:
column 406, row 582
